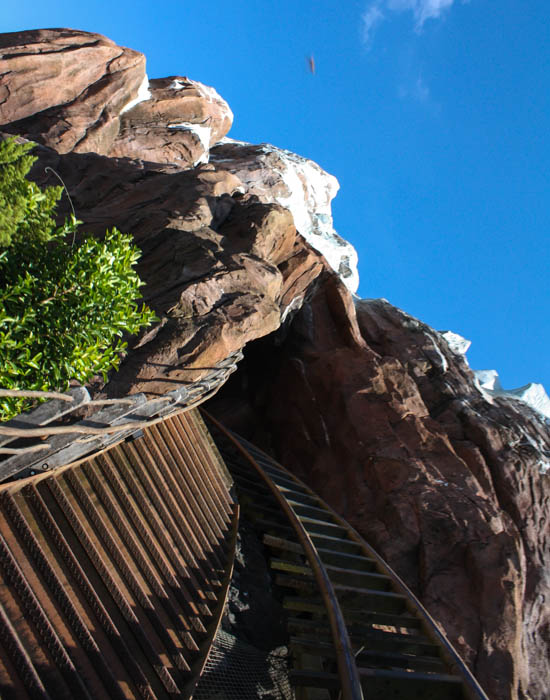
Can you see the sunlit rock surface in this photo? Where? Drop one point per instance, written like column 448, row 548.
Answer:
column 65, row 88
column 175, row 122
column 380, row 416
column 300, row 185
column 446, row 475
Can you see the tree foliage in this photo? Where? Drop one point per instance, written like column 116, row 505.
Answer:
column 26, row 212
column 64, row 308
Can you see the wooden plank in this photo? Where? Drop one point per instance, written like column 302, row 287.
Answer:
column 349, row 679
column 280, row 543
column 291, row 566
column 46, row 412
column 66, row 448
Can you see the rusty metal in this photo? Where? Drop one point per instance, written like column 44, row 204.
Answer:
column 183, row 529
column 174, row 529
column 182, row 483
column 183, row 451
column 138, row 555
column 349, row 681
column 55, row 585
column 114, row 570
column 389, row 638
column 24, row 669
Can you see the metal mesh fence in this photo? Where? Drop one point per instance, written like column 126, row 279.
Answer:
column 236, row 670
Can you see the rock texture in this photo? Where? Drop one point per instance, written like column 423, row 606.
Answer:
column 66, row 88
column 177, row 123
column 373, row 409
column 369, row 405
column 298, row 184
column 221, row 264
column 220, row 267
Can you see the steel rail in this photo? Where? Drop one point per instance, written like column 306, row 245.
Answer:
column 345, row 659
column 451, row 656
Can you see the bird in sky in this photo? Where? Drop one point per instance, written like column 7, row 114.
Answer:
column 311, row 64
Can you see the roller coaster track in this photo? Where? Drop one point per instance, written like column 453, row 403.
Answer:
column 355, row 629
column 114, row 569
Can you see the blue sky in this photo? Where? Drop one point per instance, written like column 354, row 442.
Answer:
column 434, row 115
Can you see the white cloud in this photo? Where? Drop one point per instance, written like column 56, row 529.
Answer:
column 416, row 89
column 371, row 17
column 422, row 10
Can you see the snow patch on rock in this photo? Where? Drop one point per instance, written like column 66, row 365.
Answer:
column 309, row 184
column 202, row 131
column 488, row 381
column 176, row 85
column 532, row 394
column 208, row 92
column 300, row 185
column 444, row 365
column 143, row 95
column 456, row 343
column 228, row 139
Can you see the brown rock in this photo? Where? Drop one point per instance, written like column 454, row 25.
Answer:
column 218, row 266
column 65, row 88
column 177, row 124
column 375, row 411
column 75, row 91
column 365, row 402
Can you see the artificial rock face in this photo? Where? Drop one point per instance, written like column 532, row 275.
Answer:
column 374, row 410
column 66, row 89
column 371, row 407
column 221, row 265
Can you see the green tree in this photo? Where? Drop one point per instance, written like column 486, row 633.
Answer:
column 64, row 308
column 26, row 212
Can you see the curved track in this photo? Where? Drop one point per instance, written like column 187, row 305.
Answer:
column 355, row 629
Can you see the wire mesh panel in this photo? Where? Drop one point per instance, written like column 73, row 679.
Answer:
column 236, row 670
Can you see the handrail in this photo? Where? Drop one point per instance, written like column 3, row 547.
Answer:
column 345, row 659
column 101, row 429
column 452, row 657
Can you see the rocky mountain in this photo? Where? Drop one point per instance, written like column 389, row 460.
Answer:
column 448, row 477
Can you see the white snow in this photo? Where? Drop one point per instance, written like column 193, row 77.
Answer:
column 294, row 305
column 442, row 358
column 488, row 380
column 307, row 191
column 206, row 91
column 457, row 343
column 143, row 95
column 209, row 92
column 544, row 467
column 227, row 139
column 532, row 394
column 202, row 131
column 176, row 85
column 310, row 192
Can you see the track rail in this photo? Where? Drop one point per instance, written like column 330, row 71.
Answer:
column 347, row 604
column 114, row 570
